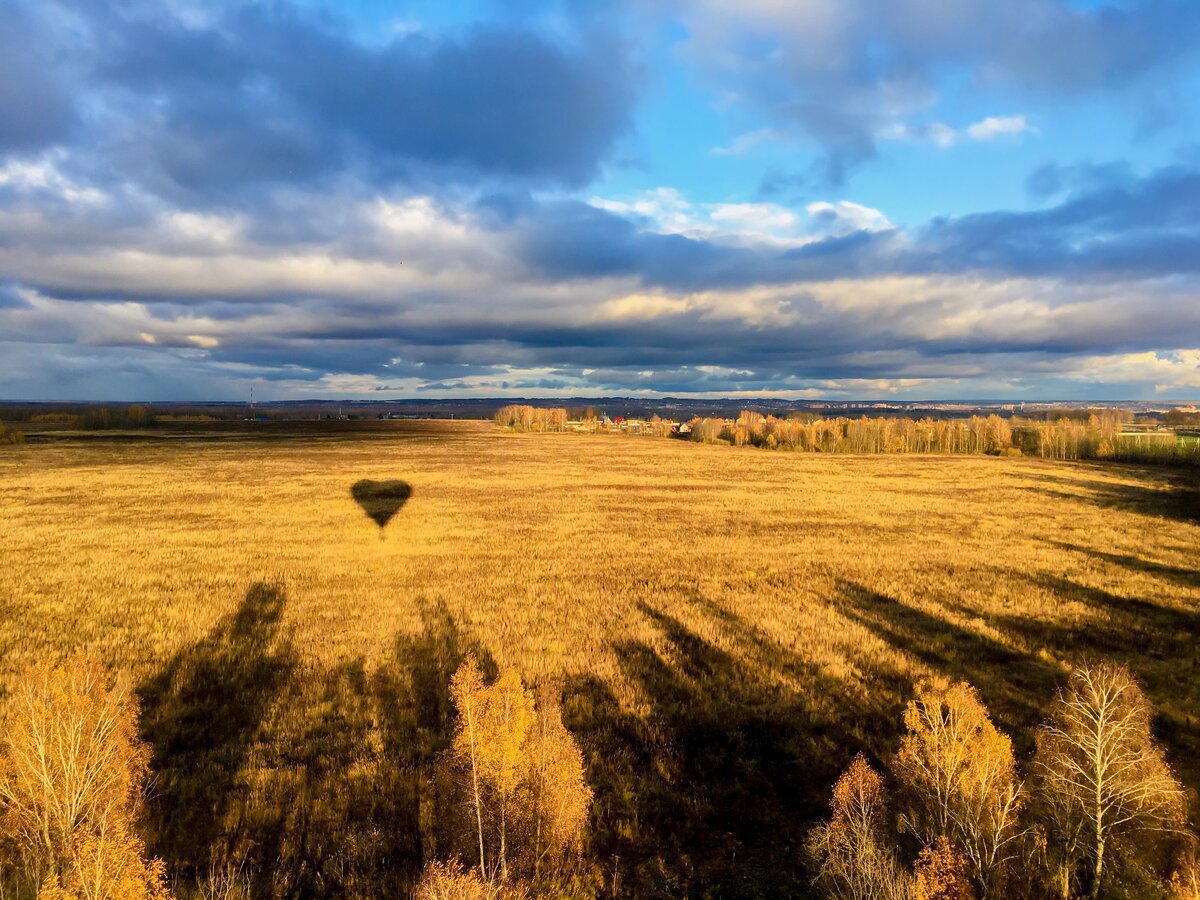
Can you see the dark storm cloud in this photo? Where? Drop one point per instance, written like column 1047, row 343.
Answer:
column 274, row 94
column 573, row 240
column 35, row 106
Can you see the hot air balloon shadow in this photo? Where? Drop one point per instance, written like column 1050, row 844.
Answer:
column 381, row 500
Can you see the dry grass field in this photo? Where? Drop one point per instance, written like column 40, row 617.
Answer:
column 728, row 626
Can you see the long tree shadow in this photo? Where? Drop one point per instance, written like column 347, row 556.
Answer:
column 1015, row 685
column 1159, row 643
column 1188, row 578
column 1170, row 494
column 417, row 724
column 201, row 715
column 713, row 792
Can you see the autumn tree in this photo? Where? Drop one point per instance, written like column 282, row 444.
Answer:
column 1185, row 877
column 521, row 771
column 1102, row 779
column 108, row 866
column 942, row 873
column 71, row 776
column 960, row 779
column 560, row 799
column 854, row 854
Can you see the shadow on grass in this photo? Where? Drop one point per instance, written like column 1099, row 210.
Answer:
column 1188, row 578
column 381, row 500
column 1159, row 643
column 201, row 715
column 1015, row 686
column 316, row 780
column 711, row 793
column 1169, row 494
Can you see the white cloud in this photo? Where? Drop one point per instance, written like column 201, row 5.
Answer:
column 996, row 126
column 1166, row 370
column 844, row 217
column 669, row 212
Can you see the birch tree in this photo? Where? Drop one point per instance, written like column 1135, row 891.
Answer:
column 1101, row 776
column 960, row 779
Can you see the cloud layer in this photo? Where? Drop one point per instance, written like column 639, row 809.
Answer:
column 193, row 200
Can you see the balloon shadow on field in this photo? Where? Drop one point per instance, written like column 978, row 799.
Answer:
column 381, row 500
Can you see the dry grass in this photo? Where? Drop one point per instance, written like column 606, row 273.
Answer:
column 729, row 626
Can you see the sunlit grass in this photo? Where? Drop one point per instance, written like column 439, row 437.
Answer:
column 729, row 626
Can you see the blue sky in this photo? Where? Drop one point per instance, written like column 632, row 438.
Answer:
column 821, row 199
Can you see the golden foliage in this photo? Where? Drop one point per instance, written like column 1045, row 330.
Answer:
column 1185, row 880
column 561, row 799
column 110, row 866
column 942, row 873
column 449, row 881
column 71, row 764
column 1101, row 776
column 960, row 778
column 522, row 771
column 854, row 853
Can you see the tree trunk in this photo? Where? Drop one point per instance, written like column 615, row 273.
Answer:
column 1098, row 876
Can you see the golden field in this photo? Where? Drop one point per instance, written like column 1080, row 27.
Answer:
column 728, row 626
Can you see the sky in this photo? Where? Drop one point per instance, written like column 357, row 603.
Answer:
column 810, row 199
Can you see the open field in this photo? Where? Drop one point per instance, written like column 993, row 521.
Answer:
column 729, row 627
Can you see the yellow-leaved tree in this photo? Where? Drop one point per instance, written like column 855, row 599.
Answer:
column 71, row 776
column 854, row 853
column 960, row 780
column 521, row 772
column 942, row 873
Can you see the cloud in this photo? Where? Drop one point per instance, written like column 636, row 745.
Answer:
column 251, row 95
column 844, row 217
column 746, row 142
column 841, row 73
column 214, row 196
column 995, row 126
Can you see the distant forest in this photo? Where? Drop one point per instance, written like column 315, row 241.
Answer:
column 1072, row 435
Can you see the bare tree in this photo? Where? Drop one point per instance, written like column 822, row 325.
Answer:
column 1101, row 776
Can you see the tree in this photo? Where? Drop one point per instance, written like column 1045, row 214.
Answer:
column 960, row 779
column 561, row 799
column 522, row 772
column 942, row 873
column 110, row 866
column 71, row 776
column 1101, row 777
column 853, row 853
column 1185, row 879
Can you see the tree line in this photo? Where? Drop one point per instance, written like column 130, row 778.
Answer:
column 74, row 779
column 522, row 417
column 1063, row 438
column 1069, row 435
column 1098, row 812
